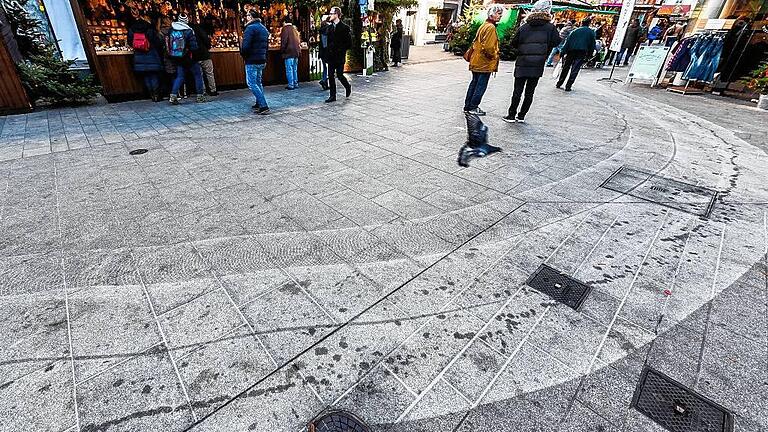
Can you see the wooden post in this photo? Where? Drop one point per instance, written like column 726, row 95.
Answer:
column 13, row 97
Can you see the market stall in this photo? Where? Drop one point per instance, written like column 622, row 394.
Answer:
column 103, row 26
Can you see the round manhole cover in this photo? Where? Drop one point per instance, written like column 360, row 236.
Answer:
column 338, row 421
column 137, row 152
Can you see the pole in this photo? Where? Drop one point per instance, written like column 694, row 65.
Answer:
column 610, row 77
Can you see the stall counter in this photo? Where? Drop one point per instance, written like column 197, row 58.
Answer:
column 120, row 83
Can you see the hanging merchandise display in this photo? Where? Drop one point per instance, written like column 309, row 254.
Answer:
column 705, row 56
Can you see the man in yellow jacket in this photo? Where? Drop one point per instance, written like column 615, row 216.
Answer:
column 484, row 60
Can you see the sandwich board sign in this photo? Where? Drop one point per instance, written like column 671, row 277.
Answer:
column 648, row 63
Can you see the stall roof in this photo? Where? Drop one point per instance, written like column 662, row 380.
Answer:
column 594, row 10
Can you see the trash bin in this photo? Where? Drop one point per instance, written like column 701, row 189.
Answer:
column 406, row 46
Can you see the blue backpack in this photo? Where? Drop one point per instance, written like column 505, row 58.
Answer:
column 176, row 44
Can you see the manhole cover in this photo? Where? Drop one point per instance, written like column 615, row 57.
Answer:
column 137, row 152
column 560, row 287
column 338, row 421
column 677, row 408
column 661, row 190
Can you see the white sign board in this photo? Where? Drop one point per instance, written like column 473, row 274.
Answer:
column 648, row 63
column 625, row 16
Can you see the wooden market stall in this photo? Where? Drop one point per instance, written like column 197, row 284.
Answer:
column 103, row 26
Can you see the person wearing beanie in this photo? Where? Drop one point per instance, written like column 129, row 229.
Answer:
column 533, row 40
column 180, row 44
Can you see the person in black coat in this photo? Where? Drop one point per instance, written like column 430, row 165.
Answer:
column 339, row 41
column 396, row 43
column 534, row 40
column 631, row 39
column 147, row 55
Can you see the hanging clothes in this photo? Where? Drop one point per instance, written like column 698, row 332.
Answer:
column 681, row 56
column 705, row 57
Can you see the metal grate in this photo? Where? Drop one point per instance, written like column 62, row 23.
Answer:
column 677, row 408
column 140, row 151
column 559, row 286
column 338, row 421
column 661, row 190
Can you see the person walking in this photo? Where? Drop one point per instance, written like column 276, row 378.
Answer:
column 396, row 44
column 533, row 41
column 577, row 49
column 631, row 38
column 253, row 49
column 564, row 33
column 339, row 41
column 325, row 25
column 483, row 60
column 147, row 54
column 290, row 48
column 203, row 56
column 180, row 44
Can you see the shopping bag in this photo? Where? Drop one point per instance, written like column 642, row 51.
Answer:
column 558, row 70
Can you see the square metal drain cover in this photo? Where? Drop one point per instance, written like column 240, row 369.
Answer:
column 678, row 408
column 559, row 286
column 670, row 193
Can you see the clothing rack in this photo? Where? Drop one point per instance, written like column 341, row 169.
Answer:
column 693, row 85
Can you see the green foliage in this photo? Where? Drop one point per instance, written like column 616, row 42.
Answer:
column 757, row 81
column 26, row 30
column 386, row 10
column 506, row 51
column 465, row 34
column 45, row 76
column 50, row 80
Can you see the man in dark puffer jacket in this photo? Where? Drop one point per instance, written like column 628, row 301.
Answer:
column 534, row 40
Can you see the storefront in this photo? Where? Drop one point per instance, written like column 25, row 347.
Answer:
column 741, row 30
column 103, row 27
column 430, row 21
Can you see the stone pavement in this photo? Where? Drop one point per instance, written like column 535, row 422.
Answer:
column 248, row 273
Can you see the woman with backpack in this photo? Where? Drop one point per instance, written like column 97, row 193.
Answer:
column 147, row 54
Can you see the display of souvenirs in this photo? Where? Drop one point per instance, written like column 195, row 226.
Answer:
column 108, row 20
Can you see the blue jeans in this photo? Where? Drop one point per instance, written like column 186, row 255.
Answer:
column 253, row 73
column 292, row 72
column 325, row 72
column 555, row 50
column 152, row 81
column 476, row 90
column 620, row 55
column 197, row 72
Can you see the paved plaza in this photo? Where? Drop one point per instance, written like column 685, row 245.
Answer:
column 249, row 273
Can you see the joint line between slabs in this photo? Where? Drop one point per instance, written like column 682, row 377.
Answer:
column 709, row 311
column 455, row 358
column 626, row 295
column 347, row 323
column 458, row 392
column 165, row 340
column 66, row 296
column 509, row 359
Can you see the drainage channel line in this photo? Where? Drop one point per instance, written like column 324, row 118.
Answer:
column 709, row 311
column 626, row 295
column 66, row 296
column 348, row 322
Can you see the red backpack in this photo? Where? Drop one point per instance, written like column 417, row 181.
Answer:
column 140, row 42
